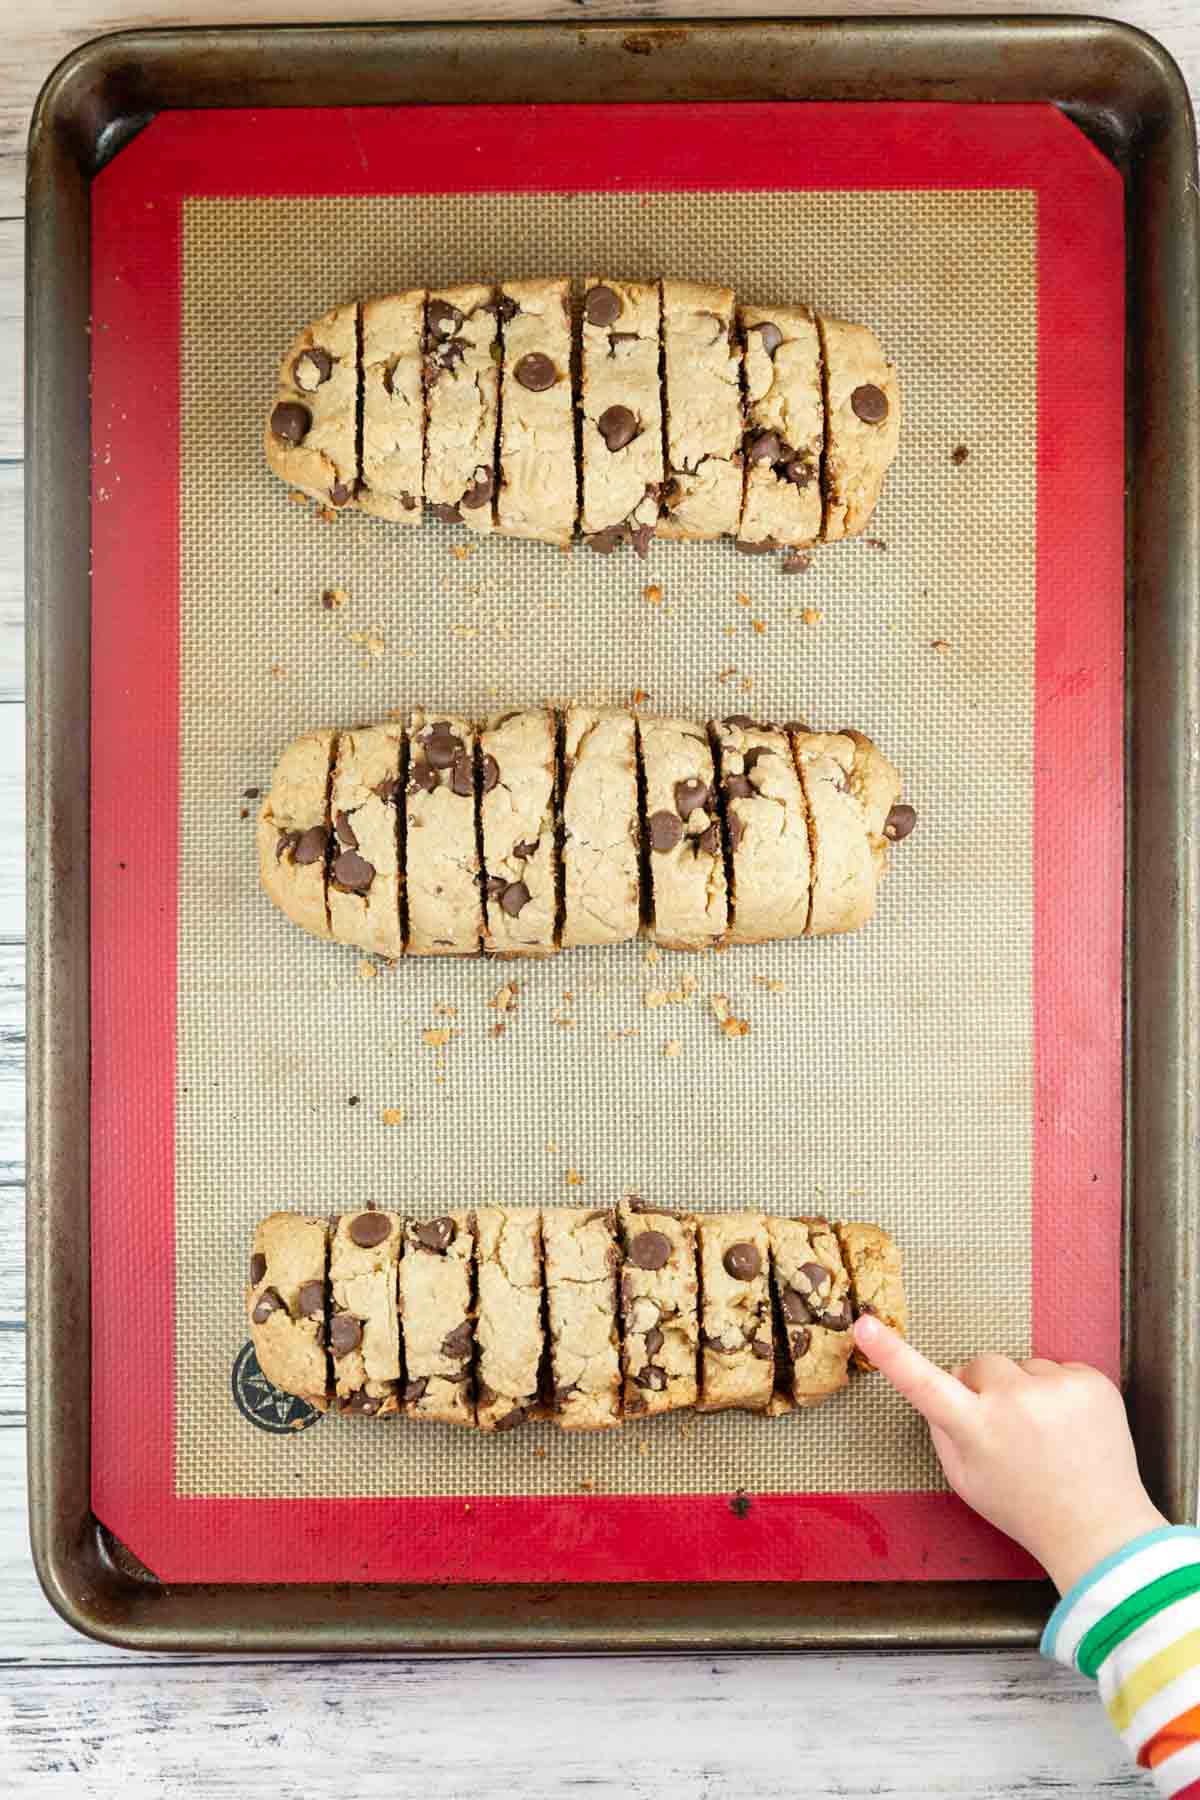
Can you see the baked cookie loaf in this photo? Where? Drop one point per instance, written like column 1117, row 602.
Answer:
column 500, row 1315
column 629, row 410
column 592, row 825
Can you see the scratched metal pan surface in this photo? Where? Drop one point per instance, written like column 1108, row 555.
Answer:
column 1127, row 95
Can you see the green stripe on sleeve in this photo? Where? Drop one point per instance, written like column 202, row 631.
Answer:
column 1124, row 1620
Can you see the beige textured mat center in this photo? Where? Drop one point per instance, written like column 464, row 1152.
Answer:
column 887, row 1075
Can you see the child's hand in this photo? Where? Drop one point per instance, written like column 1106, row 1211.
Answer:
column 1041, row 1449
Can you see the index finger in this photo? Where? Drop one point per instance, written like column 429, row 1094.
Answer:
column 937, row 1396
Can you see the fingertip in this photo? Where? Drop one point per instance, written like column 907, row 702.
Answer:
column 868, row 1331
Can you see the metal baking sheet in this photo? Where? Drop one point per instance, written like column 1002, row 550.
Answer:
column 526, row 63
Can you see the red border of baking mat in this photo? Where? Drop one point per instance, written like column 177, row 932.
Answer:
column 135, row 636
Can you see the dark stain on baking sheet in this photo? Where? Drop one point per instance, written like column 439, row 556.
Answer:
column 740, row 1505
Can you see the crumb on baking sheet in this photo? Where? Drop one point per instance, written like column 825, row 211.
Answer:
column 552, row 1147
column 278, row 671
column 371, row 641
column 724, row 675
column 941, row 645
column 461, row 551
column 769, row 982
column 650, row 956
column 959, row 455
column 743, row 599
column 759, row 625
column 437, row 1037
column 640, row 697
column 672, row 1047
column 365, row 969
column 799, row 564
column 730, row 1024
column 333, row 598
column 653, row 594
column 392, row 1115
column 875, row 543
column 574, row 1178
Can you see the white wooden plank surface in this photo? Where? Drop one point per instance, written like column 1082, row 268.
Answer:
column 78, row 1719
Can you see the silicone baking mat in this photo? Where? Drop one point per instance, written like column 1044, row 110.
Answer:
column 953, row 1071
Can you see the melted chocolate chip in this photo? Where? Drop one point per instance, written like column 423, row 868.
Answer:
column 449, row 515
column 762, row 1349
column 457, row 1343
column 770, row 334
column 353, row 872
column 422, row 777
column 525, row 851
column 652, row 1377
column 312, row 1300
column 369, row 1229
column 899, row 823
column 764, row 447
column 462, row 775
column 607, row 539
column 618, row 426
column 311, row 368
column 800, row 474
column 345, row 1333
column 691, row 795
column 759, row 549
column 710, row 840
column 510, row 1419
column 345, row 830
column 489, row 774
column 742, row 1261
column 258, row 1268
column 742, row 720
column 415, row 1390
column 290, row 422
column 536, row 372
column 666, row 830
column 481, row 490
column 654, row 1341
column 441, row 746
column 387, row 789
column 269, row 1301
column 340, row 493
column 441, row 320
column 816, row 1275
column 435, row 1234
column 869, row 404
column 650, row 1250
column 794, row 1305
column 737, row 828
column 602, row 306
column 310, row 847
column 515, row 896
column 738, row 787
column 801, row 1342
column 504, row 308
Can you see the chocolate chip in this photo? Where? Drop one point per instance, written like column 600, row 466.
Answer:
column 407, row 501
column 462, row 775
column 387, row 789
column 345, row 1333
column 640, row 536
column 602, row 306
column 449, row 515
column 771, row 335
column 290, row 422
column 442, row 320
column 345, row 830
column 816, row 1275
column 959, row 455
column 510, row 1419
column 369, row 1229
column 795, row 725
column 618, row 426
column 310, row 847
column 269, row 1301
column 654, row 1341
column 800, row 474
column 481, row 489
column 794, row 1305
column 504, row 308
column 340, row 493
column 607, row 539
column 415, row 1390
column 689, row 796
column 759, row 549
column 495, row 886
column 869, row 404
column 764, row 447
column 742, row 1261
column 738, row 787
column 489, row 774
column 564, row 1392
column 258, row 1268
column 652, row 1377
column 311, row 368
column 650, row 1250
column 801, row 1343
column 742, row 720
column 665, row 830
column 353, row 872
column 421, row 776
column 435, row 1234
column 457, row 1343
column 762, row 1349
column 799, row 564
column 525, row 851
column 361, row 1402
column 515, row 896
column 899, row 823
column 440, row 746
column 535, row 372
column 841, row 1320
column 752, row 758
column 312, row 1300
column 710, row 840
column 737, row 830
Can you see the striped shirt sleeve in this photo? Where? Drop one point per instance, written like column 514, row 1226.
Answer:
column 1133, row 1625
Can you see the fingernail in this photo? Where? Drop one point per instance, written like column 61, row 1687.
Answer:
column 867, row 1330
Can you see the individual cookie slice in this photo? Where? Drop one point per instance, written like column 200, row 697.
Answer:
column 462, row 397
column 364, row 1327
column 737, row 1359
column 683, row 834
column 437, row 1306
column 766, row 829
column 600, row 853
column 293, row 831
column 876, row 1278
column 703, row 405
column 508, row 1329
column 311, row 433
column 862, row 424
column 659, row 1284
column 537, row 496
column 364, row 874
column 517, row 820
column 850, row 789
column 581, row 1264
column 621, row 437
column 441, row 882
column 393, row 407
column 812, row 1298
column 285, row 1303
column 785, row 426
